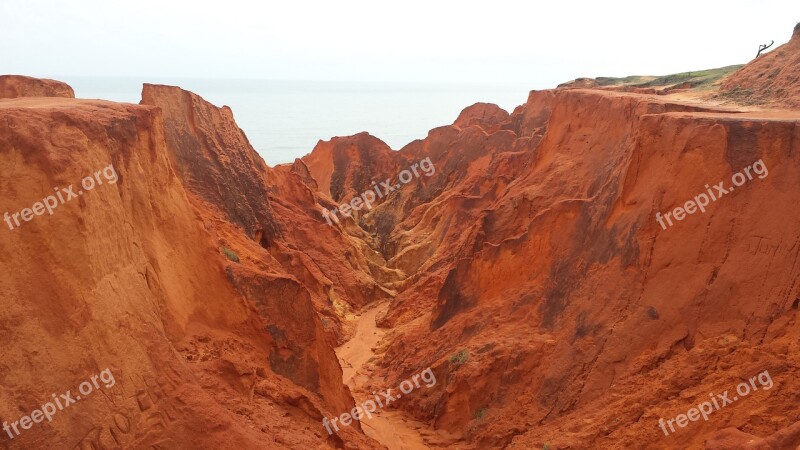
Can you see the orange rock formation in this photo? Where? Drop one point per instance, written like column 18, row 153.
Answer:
column 14, row 86
column 528, row 271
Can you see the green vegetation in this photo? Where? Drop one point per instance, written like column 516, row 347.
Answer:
column 697, row 79
column 480, row 413
column 744, row 96
column 230, row 254
column 460, row 358
column 626, row 81
column 546, row 446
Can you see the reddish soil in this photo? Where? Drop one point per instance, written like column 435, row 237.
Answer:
column 528, row 272
column 772, row 79
column 15, row 86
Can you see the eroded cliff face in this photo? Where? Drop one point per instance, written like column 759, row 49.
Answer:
column 551, row 303
column 110, row 280
column 129, row 276
column 15, row 86
column 215, row 159
column 584, row 320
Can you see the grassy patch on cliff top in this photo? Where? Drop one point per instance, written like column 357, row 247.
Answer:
column 698, row 78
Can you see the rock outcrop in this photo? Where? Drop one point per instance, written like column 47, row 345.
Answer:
column 15, row 86
column 215, row 159
column 485, row 115
column 534, row 254
column 130, row 276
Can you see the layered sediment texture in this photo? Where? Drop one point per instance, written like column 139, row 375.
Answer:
column 534, row 253
column 206, row 352
column 528, row 270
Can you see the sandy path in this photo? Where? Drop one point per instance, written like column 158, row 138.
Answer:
column 389, row 427
column 360, row 348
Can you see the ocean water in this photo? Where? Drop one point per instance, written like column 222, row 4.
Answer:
column 285, row 119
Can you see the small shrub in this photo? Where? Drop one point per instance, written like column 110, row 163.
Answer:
column 230, row 254
column 460, row 358
column 480, row 413
column 546, row 446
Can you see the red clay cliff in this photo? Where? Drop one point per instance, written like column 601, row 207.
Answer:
column 531, row 268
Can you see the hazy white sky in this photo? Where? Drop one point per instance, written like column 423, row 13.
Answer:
column 541, row 43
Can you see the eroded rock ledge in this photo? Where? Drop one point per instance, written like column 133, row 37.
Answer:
column 15, row 86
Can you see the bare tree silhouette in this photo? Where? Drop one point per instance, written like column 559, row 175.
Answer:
column 763, row 47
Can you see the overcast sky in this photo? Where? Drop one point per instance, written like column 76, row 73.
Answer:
column 541, row 43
